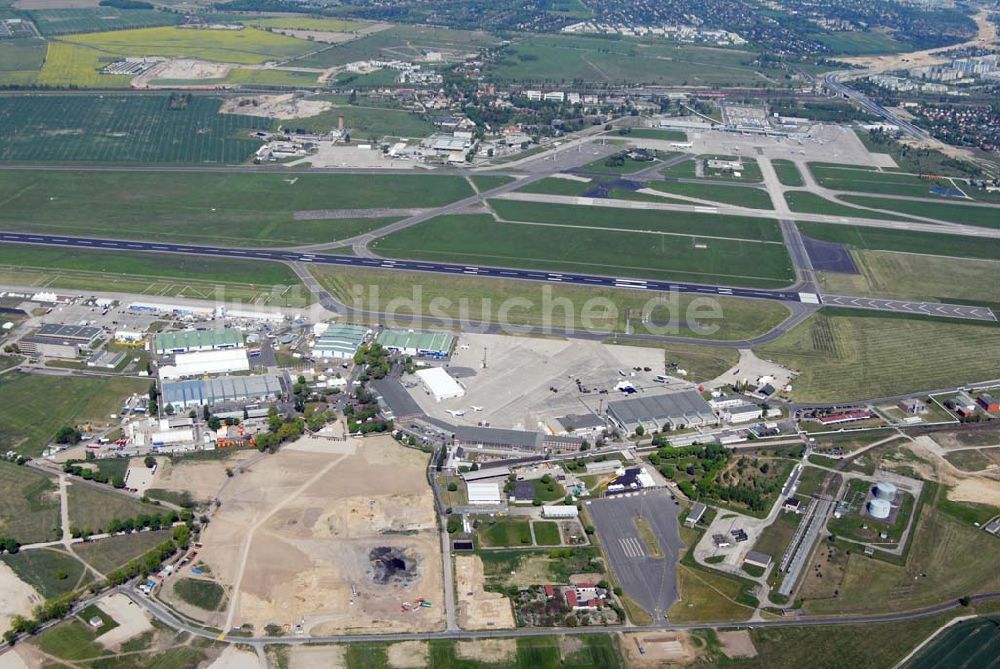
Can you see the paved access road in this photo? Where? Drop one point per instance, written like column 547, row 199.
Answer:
column 647, row 579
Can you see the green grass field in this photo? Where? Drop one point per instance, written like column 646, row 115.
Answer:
column 656, row 133
column 71, row 640
column 288, row 78
column 910, row 275
column 27, row 423
column 484, row 182
column 73, row 65
column 880, row 239
column 245, row 47
column 970, row 644
column 505, row 532
column 851, row 356
column 870, row 586
column 557, row 58
column 52, row 22
column 207, row 595
column 123, row 128
column 788, row 173
column 805, row 202
column 108, row 554
column 676, row 223
column 365, row 122
column 705, row 596
column 557, row 186
column 546, row 652
column 405, row 42
column 44, row 569
column 869, row 645
column 20, row 61
column 870, row 181
column 479, row 239
column 151, row 274
column 596, row 309
column 30, row 512
column 755, row 198
column 987, row 217
column 92, row 508
column 547, row 533
column 314, row 23
column 211, row 208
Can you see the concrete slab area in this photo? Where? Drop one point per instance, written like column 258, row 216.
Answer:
column 918, row 308
column 649, row 581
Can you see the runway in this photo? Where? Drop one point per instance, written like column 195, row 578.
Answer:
column 966, row 312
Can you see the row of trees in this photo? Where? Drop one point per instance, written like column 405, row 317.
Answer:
column 60, row 607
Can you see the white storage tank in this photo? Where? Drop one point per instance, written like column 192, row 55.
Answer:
column 879, row 508
column 885, row 490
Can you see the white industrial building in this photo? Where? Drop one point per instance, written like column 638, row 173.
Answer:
column 440, row 383
column 206, row 362
column 484, row 492
column 563, row 511
column 741, row 413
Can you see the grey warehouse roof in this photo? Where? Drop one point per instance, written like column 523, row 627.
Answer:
column 83, row 333
column 220, row 389
column 661, row 408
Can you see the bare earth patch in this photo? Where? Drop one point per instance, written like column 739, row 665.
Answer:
column 202, row 478
column 658, row 649
column 284, row 107
column 737, row 643
column 270, row 543
column 487, row 651
column 17, row 598
column 409, row 655
column 131, row 619
column 234, row 658
column 478, row 609
column 964, row 486
column 317, row 657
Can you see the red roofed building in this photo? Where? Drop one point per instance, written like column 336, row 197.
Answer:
column 550, row 591
column 571, row 598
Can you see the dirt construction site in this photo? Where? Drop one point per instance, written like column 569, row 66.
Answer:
column 326, row 537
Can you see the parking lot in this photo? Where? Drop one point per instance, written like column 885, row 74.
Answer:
column 646, row 578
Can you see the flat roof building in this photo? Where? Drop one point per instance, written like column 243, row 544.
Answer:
column 672, row 411
column 49, row 347
column 560, row 511
column 417, row 343
column 484, row 492
column 340, row 340
column 187, row 341
column 440, row 384
column 209, row 392
column 496, row 438
column 200, row 363
column 695, row 514
column 757, row 559
column 84, row 335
